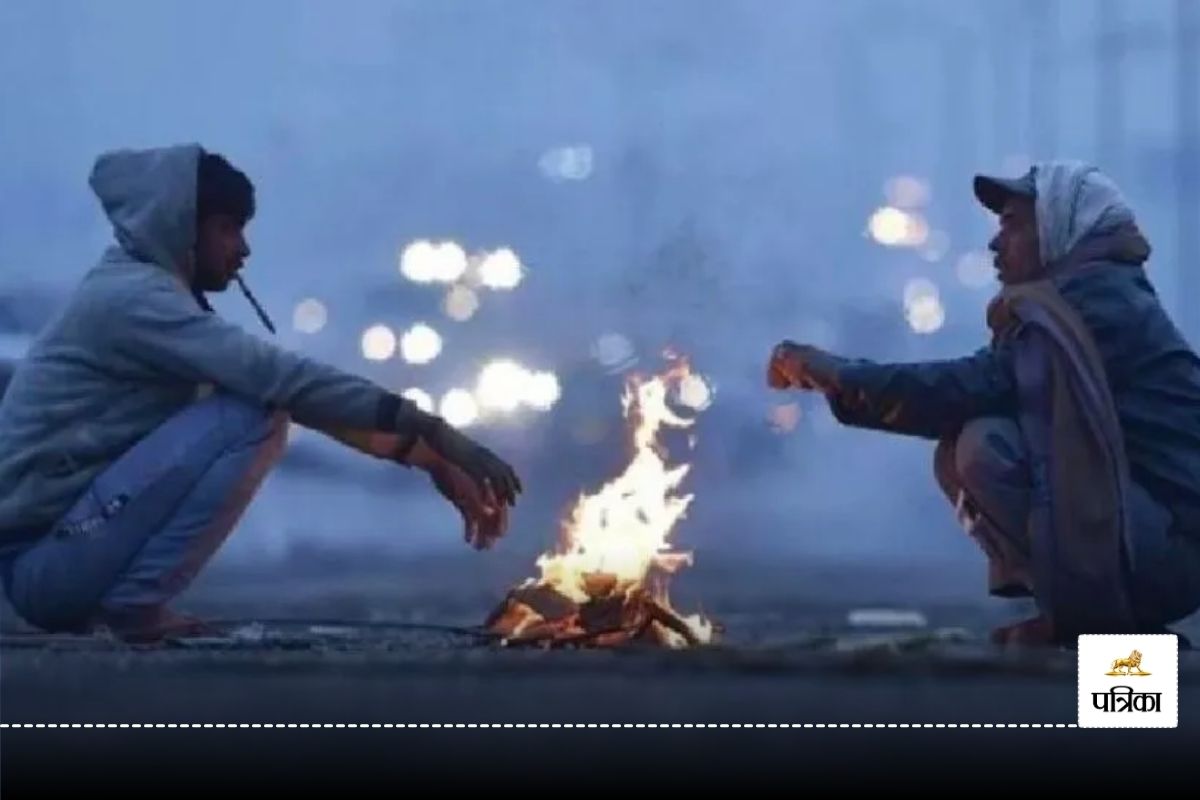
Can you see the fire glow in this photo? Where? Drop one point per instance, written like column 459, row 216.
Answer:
column 606, row 583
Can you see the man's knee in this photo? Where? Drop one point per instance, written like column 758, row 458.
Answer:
column 245, row 421
column 988, row 451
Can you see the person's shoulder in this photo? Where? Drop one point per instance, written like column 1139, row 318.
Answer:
column 1109, row 289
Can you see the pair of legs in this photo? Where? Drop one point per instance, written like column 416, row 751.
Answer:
column 149, row 522
column 984, row 471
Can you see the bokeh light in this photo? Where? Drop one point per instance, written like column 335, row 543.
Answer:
column 694, row 392
column 458, row 408
column 421, row 397
column 420, row 344
column 918, row 288
column 460, row 303
column 888, row 226
column 923, row 306
column 907, row 191
column 785, row 418
column 378, row 343
column 423, row 261
column 893, row 227
column 502, row 385
column 310, row 316
column 501, row 269
column 542, row 391
column 614, row 351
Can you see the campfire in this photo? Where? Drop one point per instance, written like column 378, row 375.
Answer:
column 606, row 584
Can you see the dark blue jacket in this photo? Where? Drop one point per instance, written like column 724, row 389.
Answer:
column 1153, row 374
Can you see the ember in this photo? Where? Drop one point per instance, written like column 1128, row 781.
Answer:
column 606, row 584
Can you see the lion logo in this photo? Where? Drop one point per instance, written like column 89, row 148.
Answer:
column 1126, row 666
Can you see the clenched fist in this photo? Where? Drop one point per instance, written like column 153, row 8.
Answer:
column 800, row 366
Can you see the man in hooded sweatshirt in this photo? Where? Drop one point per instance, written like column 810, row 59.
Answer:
column 140, row 424
column 1070, row 446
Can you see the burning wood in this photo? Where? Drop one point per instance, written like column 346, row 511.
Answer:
column 596, row 589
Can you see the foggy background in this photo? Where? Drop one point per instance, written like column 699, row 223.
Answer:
column 694, row 174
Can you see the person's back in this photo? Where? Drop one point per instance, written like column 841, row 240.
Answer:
column 1154, row 376
column 77, row 401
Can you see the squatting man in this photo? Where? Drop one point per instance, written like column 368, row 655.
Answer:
column 118, row 480
column 1070, row 445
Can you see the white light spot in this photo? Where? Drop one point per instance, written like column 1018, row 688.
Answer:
column 458, row 408
column 917, row 288
column 976, row 269
column 501, row 269
column 502, row 385
column 926, row 314
column 613, row 351
column 888, row 226
column 694, row 392
column 310, row 316
column 421, row 397
column 378, row 343
column 571, row 163
column 923, row 306
column 426, row 262
column 893, row 227
column 461, row 303
column 420, row 344
column 542, row 391
column 907, row 191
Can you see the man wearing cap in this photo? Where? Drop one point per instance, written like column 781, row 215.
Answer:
column 1070, row 445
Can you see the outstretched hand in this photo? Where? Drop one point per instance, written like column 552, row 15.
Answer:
column 800, row 366
column 485, row 516
column 480, row 484
column 493, row 476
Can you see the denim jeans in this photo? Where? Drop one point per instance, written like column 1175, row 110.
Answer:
column 151, row 520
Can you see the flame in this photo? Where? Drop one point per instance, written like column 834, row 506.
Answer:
column 615, row 540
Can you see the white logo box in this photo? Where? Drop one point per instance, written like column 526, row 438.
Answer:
column 1128, row 681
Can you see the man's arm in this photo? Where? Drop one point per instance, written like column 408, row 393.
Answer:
column 163, row 328
column 929, row 399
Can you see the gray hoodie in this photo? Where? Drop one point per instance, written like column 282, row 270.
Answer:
column 131, row 347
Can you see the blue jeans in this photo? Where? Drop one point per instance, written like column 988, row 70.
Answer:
column 151, row 520
column 984, row 471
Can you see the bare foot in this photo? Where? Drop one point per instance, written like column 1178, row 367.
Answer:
column 1034, row 632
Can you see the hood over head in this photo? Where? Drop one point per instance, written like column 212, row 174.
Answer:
column 150, row 198
column 1078, row 206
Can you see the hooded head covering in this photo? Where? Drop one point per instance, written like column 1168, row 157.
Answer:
column 150, row 198
column 1075, row 204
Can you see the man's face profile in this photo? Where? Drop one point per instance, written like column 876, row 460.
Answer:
column 1018, row 258
column 221, row 250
